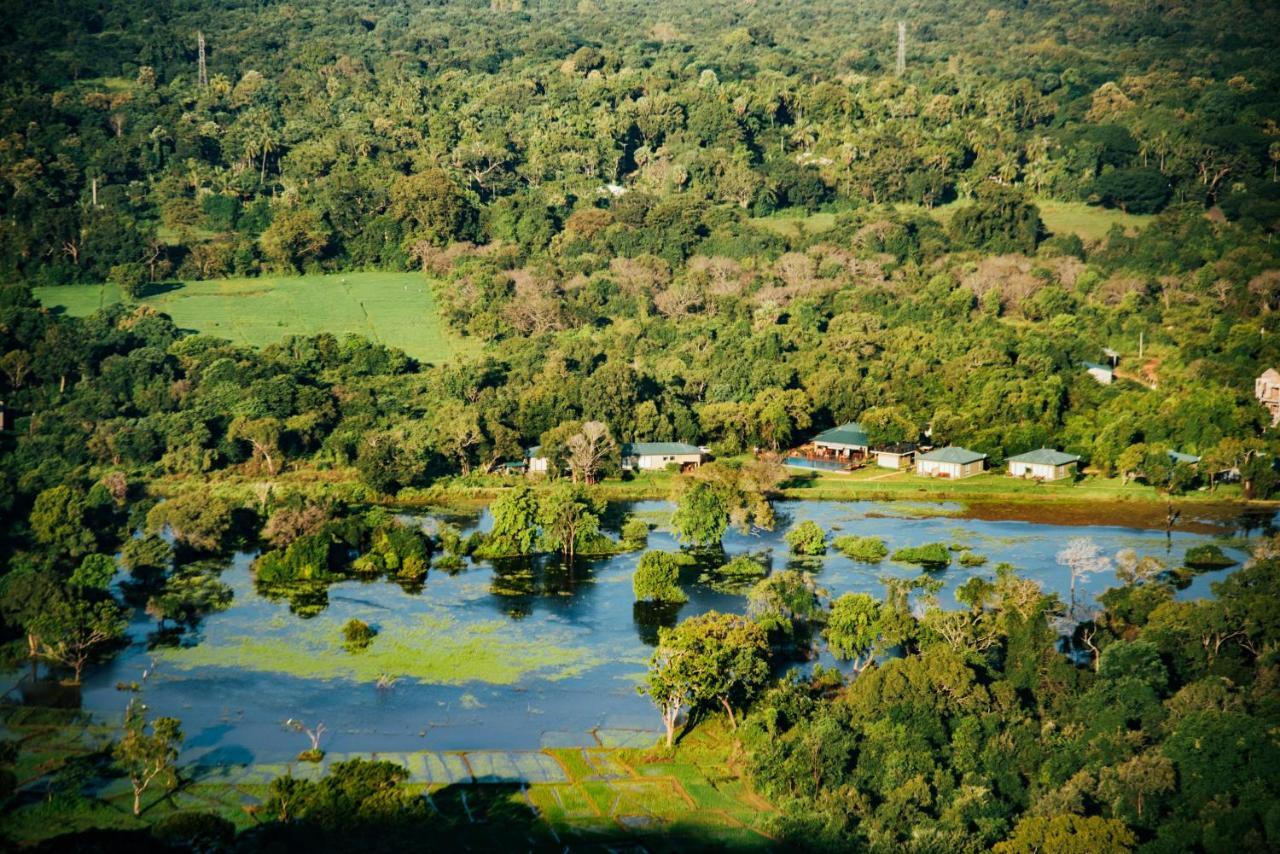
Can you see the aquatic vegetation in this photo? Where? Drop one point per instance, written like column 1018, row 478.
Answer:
column 807, row 538
column 933, row 556
column 865, row 549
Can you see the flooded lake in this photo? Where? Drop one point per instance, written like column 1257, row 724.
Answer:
column 521, row 655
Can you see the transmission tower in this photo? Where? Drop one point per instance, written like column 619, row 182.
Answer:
column 204, row 71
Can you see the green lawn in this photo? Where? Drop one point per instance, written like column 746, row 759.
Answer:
column 396, row 309
column 1089, row 222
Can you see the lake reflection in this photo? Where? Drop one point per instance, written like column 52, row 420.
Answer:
column 521, row 654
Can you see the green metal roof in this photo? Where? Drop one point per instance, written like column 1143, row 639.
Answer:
column 1178, row 457
column 1045, row 457
column 658, row 449
column 952, row 454
column 846, row 434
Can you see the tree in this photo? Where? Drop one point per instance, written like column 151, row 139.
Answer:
column 1000, row 220
column 438, row 211
column 1068, row 834
column 58, row 521
column 1135, row 191
column 807, row 538
column 1083, row 558
column 712, row 658
column 589, row 450
column 147, row 756
column 657, row 578
column 95, row 571
column 787, row 603
column 570, row 517
column 262, row 435
column 295, row 237
column 701, row 517
column 198, row 521
column 71, row 630
column 515, row 524
column 853, row 628
column 130, row 278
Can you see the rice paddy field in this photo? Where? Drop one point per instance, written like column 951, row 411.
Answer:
column 395, row 309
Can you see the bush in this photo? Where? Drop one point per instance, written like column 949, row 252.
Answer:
column 971, row 559
column 865, row 549
column 1207, row 556
column 931, row 556
column 357, row 635
column 657, row 578
column 807, row 538
column 635, row 533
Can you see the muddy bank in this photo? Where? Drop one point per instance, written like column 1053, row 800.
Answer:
column 1212, row 518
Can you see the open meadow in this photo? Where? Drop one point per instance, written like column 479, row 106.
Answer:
column 395, row 309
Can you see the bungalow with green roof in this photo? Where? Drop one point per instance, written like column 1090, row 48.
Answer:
column 1043, row 464
column 843, row 442
column 951, row 462
column 656, row 456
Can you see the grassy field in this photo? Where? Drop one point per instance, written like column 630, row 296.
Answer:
column 594, row 798
column 396, row 309
column 1090, row 222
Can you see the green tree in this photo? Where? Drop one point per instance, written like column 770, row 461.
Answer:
column 58, row 521
column 807, row 538
column 701, row 516
column 1068, row 834
column 130, row 278
column 72, row 630
column 570, row 518
column 657, row 578
column 147, row 756
column 515, row 524
column 853, row 628
column 1000, row 220
column 95, row 571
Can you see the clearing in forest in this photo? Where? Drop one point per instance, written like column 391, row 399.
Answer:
column 396, row 309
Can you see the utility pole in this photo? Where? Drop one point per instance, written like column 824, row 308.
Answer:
column 902, row 48
column 204, row 71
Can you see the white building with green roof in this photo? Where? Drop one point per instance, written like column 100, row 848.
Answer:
column 1043, row 464
column 656, row 456
column 951, row 462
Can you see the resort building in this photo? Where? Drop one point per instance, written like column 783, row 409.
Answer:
column 896, row 457
column 1043, row 464
column 656, row 456
column 843, row 442
column 951, row 462
column 1102, row 373
column 1267, row 389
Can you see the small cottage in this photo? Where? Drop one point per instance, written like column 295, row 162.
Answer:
column 535, row 463
column 895, row 457
column 951, row 462
column 843, row 442
column 1043, row 464
column 656, row 456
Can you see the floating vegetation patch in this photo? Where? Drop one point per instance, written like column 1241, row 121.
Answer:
column 428, row 649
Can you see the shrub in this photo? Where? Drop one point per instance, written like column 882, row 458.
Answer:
column 931, row 556
column 357, row 635
column 865, row 549
column 807, row 538
column 971, row 559
column 657, row 578
column 1207, row 556
column 194, row 831
column 635, row 533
